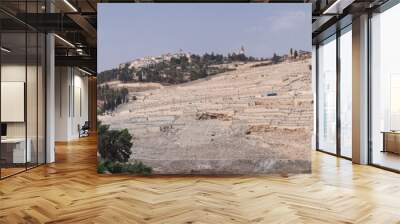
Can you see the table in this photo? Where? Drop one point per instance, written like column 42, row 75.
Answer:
column 13, row 150
column 391, row 141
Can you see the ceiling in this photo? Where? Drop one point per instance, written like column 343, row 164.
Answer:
column 332, row 15
column 75, row 21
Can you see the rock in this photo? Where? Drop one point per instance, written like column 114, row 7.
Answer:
column 210, row 115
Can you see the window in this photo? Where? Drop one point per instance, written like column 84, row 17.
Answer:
column 327, row 95
column 334, row 106
column 346, row 92
column 385, row 89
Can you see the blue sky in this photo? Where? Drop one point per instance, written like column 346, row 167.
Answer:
column 130, row 31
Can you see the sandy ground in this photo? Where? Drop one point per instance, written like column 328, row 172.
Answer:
column 250, row 121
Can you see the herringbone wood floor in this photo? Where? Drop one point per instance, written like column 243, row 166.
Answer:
column 70, row 191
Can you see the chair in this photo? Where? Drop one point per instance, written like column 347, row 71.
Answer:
column 84, row 130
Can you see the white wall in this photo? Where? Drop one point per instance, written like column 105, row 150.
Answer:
column 80, row 115
column 71, row 87
column 33, row 125
column 17, row 73
column 61, row 103
column 14, row 72
column 13, row 101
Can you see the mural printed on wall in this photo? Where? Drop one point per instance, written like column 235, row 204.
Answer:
column 197, row 89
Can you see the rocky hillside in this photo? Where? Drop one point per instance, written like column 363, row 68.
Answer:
column 256, row 119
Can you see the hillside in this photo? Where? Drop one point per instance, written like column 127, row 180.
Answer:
column 173, row 68
column 256, row 119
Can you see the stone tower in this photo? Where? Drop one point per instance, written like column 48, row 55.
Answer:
column 242, row 51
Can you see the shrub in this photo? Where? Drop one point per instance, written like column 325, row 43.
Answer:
column 138, row 168
column 114, row 145
column 100, row 111
column 101, row 168
column 117, row 167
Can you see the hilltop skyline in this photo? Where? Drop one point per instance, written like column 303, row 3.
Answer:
column 187, row 54
column 263, row 29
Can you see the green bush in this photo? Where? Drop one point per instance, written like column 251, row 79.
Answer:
column 138, row 168
column 100, row 111
column 101, row 168
column 114, row 145
column 116, row 167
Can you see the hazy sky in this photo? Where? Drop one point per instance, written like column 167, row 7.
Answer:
column 130, row 31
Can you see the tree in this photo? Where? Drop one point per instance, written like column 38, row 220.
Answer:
column 295, row 54
column 112, row 97
column 125, row 93
column 114, row 145
column 139, row 74
column 107, row 75
column 176, row 70
column 126, row 74
column 275, row 58
column 219, row 59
